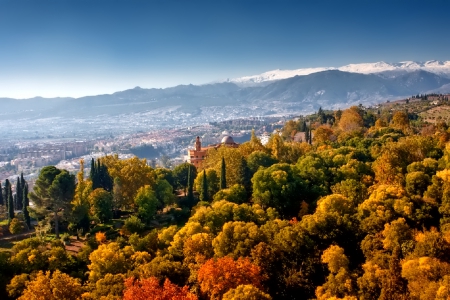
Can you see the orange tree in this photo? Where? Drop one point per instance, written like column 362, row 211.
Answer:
column 150, row 289
column 216, row 277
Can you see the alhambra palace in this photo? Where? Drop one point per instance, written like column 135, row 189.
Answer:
column 197, row 155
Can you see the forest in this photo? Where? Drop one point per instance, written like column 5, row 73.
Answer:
column 359, row 210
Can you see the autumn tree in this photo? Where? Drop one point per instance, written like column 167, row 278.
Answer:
column 216, row 277
column 133, row 174
column 246, row 292
column 150, row 288
column 80, row 203
column 53, row 286
column 351, row 120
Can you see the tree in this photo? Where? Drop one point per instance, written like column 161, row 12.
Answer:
column 279, row 187
column 54, row 286
column 9, row 201
column 190, row 191
column 147, row 203
column 164, row 193
column 16, row 226
column 109, row 259
column 216, row 277
column 223, row 177
column 1, row 195
column 351, row 120
column 26, row 204
column 213, row 182
column 53, row 193
column 80, row 203
column 204, row 192
column 236, row 194
column 246, row 292
column 150, row 288
column 181, row 173
column 19, row 193
column 259, row 159
column 101, row 203
column 133, row 173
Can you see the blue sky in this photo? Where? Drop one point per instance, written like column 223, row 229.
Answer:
column 83, row 47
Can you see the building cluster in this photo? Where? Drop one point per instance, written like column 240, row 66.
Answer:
column 197, row 155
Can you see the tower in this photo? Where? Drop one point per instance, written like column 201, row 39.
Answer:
column 198, row 144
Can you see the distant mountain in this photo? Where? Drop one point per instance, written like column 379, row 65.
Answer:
column 326, row 88
column 441, row 68
column 141, row 109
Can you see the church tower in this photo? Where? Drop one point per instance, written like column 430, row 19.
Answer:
column 198, row 144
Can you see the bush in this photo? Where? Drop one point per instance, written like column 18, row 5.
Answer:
column 65, row 238
column 16, row 226
column 133, row 225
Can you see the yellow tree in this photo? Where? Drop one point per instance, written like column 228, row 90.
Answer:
column 351, row 120
column 80, row 203
column 56, row 286
column 133, row 174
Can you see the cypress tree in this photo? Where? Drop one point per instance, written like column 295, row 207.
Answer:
column 15, row 204
column 190, row 193
column 19, row 193
column 25, row 205
column 244, row 176
column 223, row 178
column 306, row 135
column 92, row 172
column 1, row 194
column 9, row 200
column 204, row 193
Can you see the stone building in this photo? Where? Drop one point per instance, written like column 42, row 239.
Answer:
column 197, row 155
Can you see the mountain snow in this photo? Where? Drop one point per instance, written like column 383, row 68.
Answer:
column 433, row 66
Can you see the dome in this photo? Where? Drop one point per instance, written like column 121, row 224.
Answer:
column 227, row 140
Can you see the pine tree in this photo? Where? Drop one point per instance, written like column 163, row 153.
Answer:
column 223, row 177
column 25, row 205
column 204, row 191
column 1, row 194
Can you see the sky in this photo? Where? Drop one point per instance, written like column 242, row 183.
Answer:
column 62, row 48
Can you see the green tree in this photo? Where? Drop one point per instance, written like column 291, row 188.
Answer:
column 147, row 203
column 1, row 195
column 19, row 193
column 26, row 203
column 53, row 192
column 223, row 174
column 101, row 203
column 164, row 193
column 279, row 187
column 190, row 189
column 9, row 201
column 259, row 159
column 204, row 192
column 181, row 173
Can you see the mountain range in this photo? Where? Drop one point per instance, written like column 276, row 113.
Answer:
column 270, row 94
column 441, row 68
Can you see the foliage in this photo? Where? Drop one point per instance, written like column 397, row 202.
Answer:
column 133, row 225
column 146, row 203
column 151, row 289
column 216, row 277
column 101, row 203
column 16, row 226
column 133, row 173
column 53, row 286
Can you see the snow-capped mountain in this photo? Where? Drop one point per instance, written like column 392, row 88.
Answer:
column 441, row 68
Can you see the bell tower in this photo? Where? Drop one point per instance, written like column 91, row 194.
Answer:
column 198, row 144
